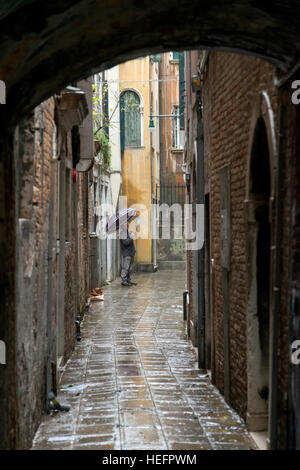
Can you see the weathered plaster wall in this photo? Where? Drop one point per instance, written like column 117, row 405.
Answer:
column 136, row 161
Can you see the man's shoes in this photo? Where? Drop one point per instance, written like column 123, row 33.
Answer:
column 126, row 284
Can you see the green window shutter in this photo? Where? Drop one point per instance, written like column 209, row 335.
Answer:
column 122, row 132
column 175, row 55
column 130, row 120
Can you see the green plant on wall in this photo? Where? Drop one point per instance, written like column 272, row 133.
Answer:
column 101, row 126
column 177, row 246
column 100, row 118
column 105, row 148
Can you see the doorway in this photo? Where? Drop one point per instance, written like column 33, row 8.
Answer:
column 259, row 246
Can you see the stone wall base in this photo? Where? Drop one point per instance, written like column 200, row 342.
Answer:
column 257, row 421
column 172, row 265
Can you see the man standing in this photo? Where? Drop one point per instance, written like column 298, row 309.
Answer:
column 128, row 252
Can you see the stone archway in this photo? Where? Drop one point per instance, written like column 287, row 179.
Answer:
column 260, row 188
column 46, row 45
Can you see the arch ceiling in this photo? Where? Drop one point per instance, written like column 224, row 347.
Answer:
column 46, row 45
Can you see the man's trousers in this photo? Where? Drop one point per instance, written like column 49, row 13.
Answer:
column 126, row 264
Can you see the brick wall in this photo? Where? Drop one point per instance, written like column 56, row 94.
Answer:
column 231, row 86
column 84, row 223
column 33, row 153
column 36, row 274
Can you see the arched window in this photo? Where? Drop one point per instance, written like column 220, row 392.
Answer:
column 130, row 119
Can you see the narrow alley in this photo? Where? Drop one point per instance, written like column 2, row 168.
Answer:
column 159, row 138
column 133, row 381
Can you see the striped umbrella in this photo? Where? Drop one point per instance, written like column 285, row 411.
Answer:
column 120, row 219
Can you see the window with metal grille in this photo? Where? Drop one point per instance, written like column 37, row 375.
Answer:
column 177, row 134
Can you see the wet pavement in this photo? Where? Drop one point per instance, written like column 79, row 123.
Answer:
column 132, row 382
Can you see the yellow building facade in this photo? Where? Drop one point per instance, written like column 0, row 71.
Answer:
column 139, row 98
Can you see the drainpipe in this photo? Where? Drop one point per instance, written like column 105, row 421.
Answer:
column 51, row 355
column 166, row 121
column 273, row 402
column 75, row 214
column 185, row 296
column 200, row 255
column 151, row 112
column 153, row 261
column 160, row 126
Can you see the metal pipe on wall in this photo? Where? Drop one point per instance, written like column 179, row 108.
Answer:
column 160, row 126
column 273, row 405
column 273, row 400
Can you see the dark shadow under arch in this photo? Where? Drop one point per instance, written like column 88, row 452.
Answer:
column 45, row 45
column 260, row 178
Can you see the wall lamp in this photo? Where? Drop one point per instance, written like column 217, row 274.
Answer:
column 151, row 126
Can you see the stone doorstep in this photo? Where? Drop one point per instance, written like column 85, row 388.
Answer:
column 257, row 422
column 260, row 439
column 143, row 268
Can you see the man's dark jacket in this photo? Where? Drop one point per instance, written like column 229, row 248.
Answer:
column 127, row 245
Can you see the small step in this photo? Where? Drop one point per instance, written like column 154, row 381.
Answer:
column 170, row 265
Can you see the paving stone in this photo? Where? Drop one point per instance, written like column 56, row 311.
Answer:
column 226, row 446
column 100, row 429
column 100, row 420
column 95, row 446
column 138, row 418
column 134, row 394
column 204, row 445
column 133, row 381
column 141, row 436
column 135, row 403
